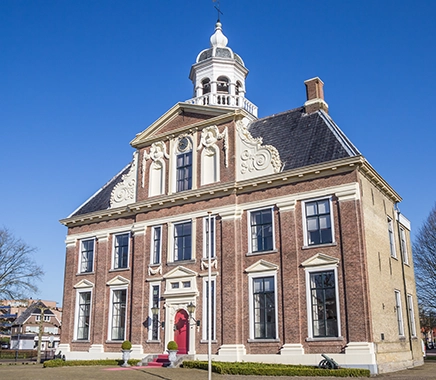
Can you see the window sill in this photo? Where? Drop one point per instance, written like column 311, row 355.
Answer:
column 326, row 339
column 118, row 269
column 273, row 340
column 81, row 341
column 179, row 262
column 154, row 341
column 261, row 252
column 84, row 273
column 114, row 341
column 334, row 244
column 205, row 341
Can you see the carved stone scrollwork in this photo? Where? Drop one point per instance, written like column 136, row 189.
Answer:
column 158, row 151
column 124, row 192
column 205, row 264
column 153, row 271
column 255, row 157
column 210, row 136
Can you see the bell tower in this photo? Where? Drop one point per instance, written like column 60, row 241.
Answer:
column 218, row 76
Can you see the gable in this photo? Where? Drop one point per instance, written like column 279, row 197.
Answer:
column 180, row 272
column 261, row 266
column 320, row 259
column 181, row 116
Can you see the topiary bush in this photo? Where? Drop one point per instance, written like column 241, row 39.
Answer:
column 172, row 346
column 126, row 345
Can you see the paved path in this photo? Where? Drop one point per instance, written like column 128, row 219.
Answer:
column 36, row 372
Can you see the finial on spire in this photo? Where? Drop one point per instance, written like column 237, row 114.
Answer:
column 218, row 8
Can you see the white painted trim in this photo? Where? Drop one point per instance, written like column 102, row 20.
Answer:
column 152, row 253
column 109, row 325
column 308, row 271
column 204, row 309
column 251, row 277
column 250, row 242
column 128, row 248
column 76, row 311
column 150, row 314
column 205, row 223
column 304, row 220
column 79, row 269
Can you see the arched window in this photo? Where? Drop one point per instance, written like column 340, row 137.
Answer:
column 205, row 83
column 239, row 88
column 223, row 84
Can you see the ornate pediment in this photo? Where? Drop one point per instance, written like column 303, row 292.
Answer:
column 320, row 259
column 253, row 158
column 180, row 272
column 261, row 266
column 124, row 192
column 118, row 281
column 84, row 284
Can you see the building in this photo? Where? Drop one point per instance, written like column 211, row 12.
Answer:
column 38, row 317
column 308, row 250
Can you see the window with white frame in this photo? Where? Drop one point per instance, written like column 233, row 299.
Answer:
column 399, row 313
column 206, row 234
column 323, row 304
column 261, row 230
column 411, row 315
column 83, row 313
column 154, row 297
column 183, row 241
column 46, row 318
column 391, row 238
column 121, row 250
column 156, row 245
column 318, row 222
column 184, row 165
column 86, row 256
column 403, row 246
column 205, row 323
column 263, row 308
column 118, row 314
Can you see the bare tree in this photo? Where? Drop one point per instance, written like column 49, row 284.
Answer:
column 424, row 248
column 18, row 270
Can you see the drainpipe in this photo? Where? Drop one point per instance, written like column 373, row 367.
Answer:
column 398, row 213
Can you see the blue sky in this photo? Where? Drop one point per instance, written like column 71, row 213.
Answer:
column 80, row 78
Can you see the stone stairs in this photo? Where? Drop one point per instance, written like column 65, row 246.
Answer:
column 159, row 361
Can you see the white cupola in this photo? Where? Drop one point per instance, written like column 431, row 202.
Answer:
column 219, row 76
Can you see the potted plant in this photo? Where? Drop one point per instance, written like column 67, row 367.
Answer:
column 172, row 348
column 126, row 348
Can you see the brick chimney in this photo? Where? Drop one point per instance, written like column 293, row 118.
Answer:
column 315, row 96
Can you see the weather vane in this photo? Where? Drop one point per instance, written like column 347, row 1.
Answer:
column 217, row 7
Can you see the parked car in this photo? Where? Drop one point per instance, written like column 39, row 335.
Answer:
column 430, row 345
column 4, row 346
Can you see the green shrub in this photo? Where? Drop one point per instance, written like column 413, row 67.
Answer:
column 126, row 345
column 74, row 363
column 172, row 346
column 267, row 369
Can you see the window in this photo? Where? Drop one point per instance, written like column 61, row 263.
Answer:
column 323, row 303
column 318, row 222
column 46, row 318
column 403, row 246
column 118, row 314
column 264, row 308
column 86, row 256
column 391, row 237
column 186, row 284
column 38, row 318
column 175, row 285
column 121, row 251
column 399, row 313
column 261, row 230
column 206, row 237
column 156, row 245
column 206, row 309
column 411, row 315
column 154, row 331
column 83, row 314
column 184, row 170
column 206, row 85
column 182, row 241
column 222, row 84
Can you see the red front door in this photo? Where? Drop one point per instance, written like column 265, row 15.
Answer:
column 181, row 333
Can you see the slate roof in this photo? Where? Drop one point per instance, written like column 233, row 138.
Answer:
column 101, row 199
column 34, row 308
column 303, row 139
